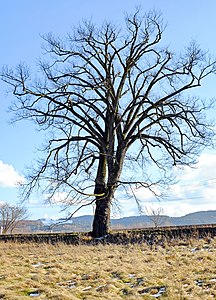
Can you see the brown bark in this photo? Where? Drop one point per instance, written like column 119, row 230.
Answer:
column 101, row 221
column 102, row 212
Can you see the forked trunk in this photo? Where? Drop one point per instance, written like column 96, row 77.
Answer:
column 105, row 192
column 101, row 221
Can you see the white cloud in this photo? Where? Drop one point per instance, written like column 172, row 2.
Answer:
column 58, row 198
column 9, row 177
column 195, row 191
column 203, row 170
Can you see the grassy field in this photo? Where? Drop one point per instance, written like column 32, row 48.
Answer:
column 63, row 272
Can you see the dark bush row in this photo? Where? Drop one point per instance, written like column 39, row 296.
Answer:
column 150, row 236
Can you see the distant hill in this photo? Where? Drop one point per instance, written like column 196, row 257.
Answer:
column 196, row 218
column 201, row 217
column 84, row 223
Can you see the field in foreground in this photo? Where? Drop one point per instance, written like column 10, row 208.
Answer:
column 62, row 272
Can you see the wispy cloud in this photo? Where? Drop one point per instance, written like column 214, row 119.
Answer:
column 9, row 177
column 58, row 198
column 195, row 191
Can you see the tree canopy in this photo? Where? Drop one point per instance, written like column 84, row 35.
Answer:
column 117, row 107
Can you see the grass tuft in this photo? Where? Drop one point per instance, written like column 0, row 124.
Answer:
column 63, row 272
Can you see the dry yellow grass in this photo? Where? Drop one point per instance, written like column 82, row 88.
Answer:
column 64, row 272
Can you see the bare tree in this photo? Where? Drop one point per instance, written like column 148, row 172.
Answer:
column 113, row 99
column 10, row 216
column 156, row 215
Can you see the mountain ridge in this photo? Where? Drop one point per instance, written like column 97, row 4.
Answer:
column 83, row 223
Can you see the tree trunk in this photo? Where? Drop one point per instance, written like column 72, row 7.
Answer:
column 101, row 221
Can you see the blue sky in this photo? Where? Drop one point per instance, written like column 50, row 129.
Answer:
column 23, row 22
